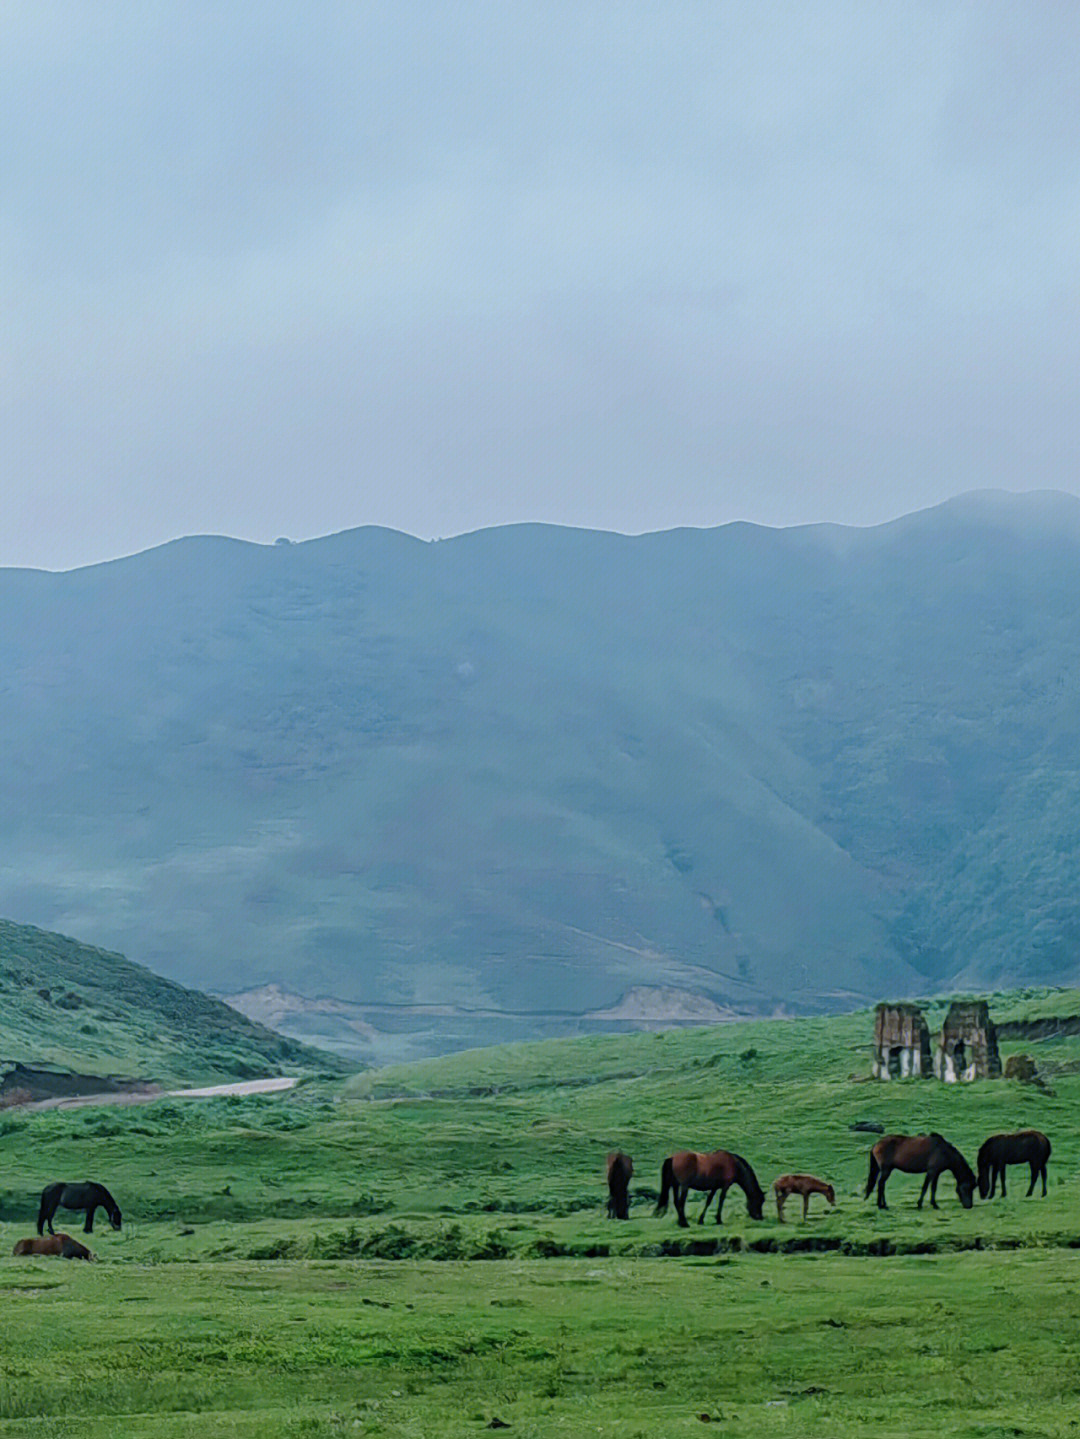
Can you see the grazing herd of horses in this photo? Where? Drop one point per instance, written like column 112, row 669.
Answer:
column 712, row 1174
column 928, row 1154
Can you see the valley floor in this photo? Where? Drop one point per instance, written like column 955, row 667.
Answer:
column 329, row 1262
column 972, row 1345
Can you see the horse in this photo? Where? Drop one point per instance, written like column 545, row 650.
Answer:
column 716, row 1173
column 927, row 1154
column 804, row 1184
column 86, row 1195
column 619, row 1169
column 61, row 1244
column 1027, row 1146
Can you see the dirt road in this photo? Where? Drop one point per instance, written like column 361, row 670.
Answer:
column 151, row 1092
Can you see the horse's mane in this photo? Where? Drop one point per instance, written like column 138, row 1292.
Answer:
column 746, row 1177
column 963, row 1168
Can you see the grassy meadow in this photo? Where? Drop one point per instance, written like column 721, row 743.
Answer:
column 421, row 1251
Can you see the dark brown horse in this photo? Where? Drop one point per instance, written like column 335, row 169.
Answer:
column 620, row 1167
column 61, row 1244
column 1026, row 1146
column 715, row 1173
column 927, row 1154
column 804, row 1184
column 88, row 1196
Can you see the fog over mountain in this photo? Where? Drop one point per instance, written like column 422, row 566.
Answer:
column 532, row 778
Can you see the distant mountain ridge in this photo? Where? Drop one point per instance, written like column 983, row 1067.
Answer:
column 535, row 769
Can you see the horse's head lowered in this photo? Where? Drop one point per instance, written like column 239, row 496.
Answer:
column 755, row 1195
column 965, row 1180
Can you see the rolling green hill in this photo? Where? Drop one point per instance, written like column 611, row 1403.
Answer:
column 535, row 781
column 416, row 1251
column 67, row 1009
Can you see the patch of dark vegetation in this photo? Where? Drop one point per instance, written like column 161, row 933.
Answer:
column 385, row 1092
column 454, row 1243
column 502, row 1204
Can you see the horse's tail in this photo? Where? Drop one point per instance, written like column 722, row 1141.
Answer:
column 872, row 1178
column 667, row 1184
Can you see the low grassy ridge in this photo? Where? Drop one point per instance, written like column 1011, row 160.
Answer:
column 71, row 1008
column 426, row 1252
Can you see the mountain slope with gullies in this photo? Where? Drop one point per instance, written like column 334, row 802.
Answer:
column 488, row 787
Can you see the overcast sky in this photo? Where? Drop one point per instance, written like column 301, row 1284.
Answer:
column 281, row 270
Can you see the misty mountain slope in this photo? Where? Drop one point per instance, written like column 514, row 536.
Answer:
column 529, row 768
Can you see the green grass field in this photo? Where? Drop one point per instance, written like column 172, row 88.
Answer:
column 424, row 1250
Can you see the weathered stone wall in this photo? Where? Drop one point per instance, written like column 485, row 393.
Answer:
column 968, row 1047
column 901, row 1042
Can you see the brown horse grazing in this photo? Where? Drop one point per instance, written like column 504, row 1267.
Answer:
column 804, row 1184
column 620, row 1167
column 61, row 1244
column 927, row 1154
column 716, row 1173
column 1026, row 1146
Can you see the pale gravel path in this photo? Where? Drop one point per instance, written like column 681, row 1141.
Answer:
column 144, row 1096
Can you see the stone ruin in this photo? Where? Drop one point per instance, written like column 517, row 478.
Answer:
column 968, row 1047
column 901, row 1042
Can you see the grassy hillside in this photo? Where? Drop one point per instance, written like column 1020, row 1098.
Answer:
column 426, row 1251
column 73, row 1009
column 487, row 786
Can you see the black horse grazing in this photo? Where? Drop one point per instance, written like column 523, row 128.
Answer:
column 619, row 1169
column 86, row 1195
column 927, row 1154
column 715, row 1173
column 1027, row 1146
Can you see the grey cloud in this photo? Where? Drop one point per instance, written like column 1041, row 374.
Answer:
column 445, row 265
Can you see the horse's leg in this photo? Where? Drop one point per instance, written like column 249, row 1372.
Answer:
column 882, row 1176
column 708, row 1201
column 45, row 1215
column 780, row 1207
column 722, row 1192
column 679, row 1195
column 933, row 1189
column 1001, row 1171
column 805, row 1206
column 88, row 1227
column 925, row 1187
column 1044, row 1178
column 1034, row 1177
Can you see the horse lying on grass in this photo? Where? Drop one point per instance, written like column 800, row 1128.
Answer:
column 61, row 1244
column 804, row 1184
